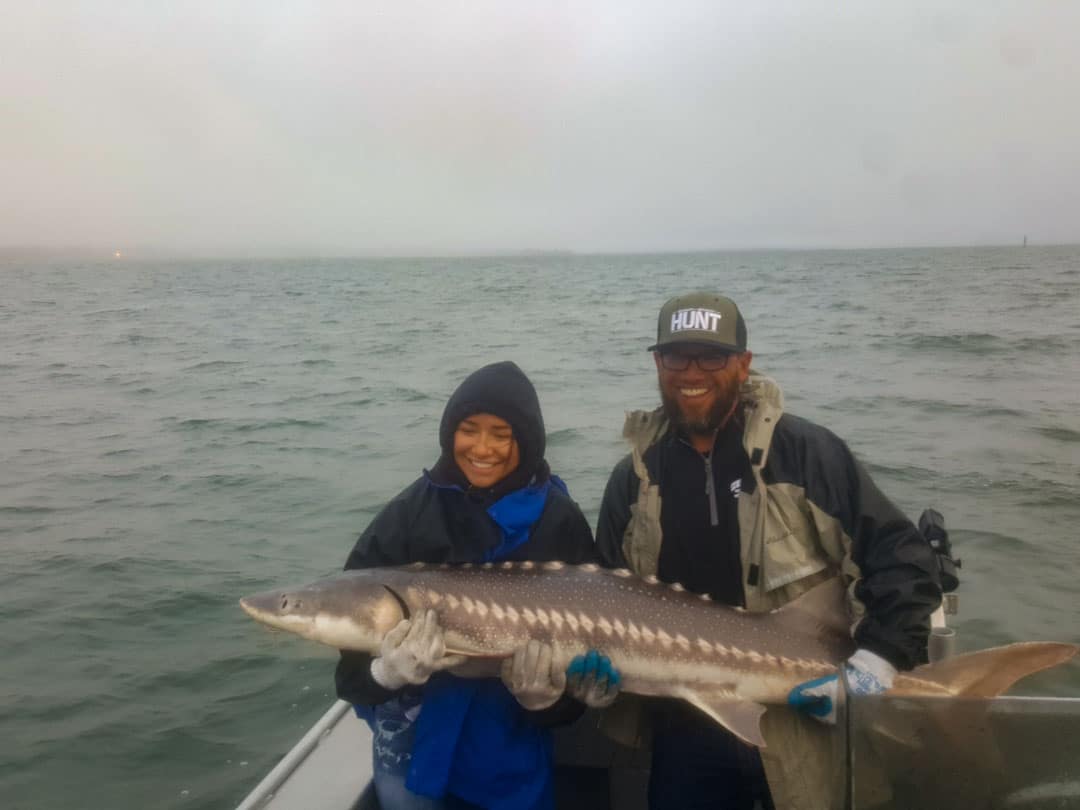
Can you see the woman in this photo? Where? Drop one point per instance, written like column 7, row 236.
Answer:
column 490, row 496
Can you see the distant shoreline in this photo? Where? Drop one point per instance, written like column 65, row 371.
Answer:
column 37, row 253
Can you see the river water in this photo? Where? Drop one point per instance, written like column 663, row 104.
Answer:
column 175, row 435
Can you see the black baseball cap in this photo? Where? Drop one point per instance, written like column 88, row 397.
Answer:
column 702, row 318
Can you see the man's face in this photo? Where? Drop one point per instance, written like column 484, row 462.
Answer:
column 697, row 399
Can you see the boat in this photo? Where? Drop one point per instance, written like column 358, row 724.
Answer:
column 329, row 768
column 898, row 753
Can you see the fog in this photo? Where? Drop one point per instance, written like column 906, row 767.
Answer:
column 408, row 128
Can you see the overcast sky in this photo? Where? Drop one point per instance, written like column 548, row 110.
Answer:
column 403, row 127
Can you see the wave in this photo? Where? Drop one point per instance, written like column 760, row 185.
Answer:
column 929, row 406
column 233, row 426
column 563, row 437
column 965, row 538
column 136, row 338
column 399, row 394
column 134, row 475
column 1059, row 434
column 217, row 481
column 978, row 343
column 216, row 365
column 277, row 424
column 848, row 306
column 28, row 510
column 195, row 424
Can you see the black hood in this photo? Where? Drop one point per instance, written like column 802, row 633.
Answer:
column 501, row 389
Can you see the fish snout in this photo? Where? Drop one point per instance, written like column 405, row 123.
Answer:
column 271, row 603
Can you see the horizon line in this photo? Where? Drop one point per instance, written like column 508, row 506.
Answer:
column 87, row 252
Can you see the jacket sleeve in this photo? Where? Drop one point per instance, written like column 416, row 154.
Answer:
column 899, row 584
column 895, row 573
column 619, row 495
column 582, row 545
column 383, row 542
column 571, row 538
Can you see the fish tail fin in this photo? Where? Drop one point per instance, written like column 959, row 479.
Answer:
column 989, row 673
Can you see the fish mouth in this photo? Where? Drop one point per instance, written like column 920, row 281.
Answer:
column 267, row 620
column 267, row 610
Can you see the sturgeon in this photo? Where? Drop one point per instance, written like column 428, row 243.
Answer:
column 665, row 641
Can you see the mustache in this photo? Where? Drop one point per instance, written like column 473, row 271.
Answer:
column 709, row 422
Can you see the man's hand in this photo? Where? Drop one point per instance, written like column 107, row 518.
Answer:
column 866, row 674
column 411, row 652
column 531, row 678
column 592, row 679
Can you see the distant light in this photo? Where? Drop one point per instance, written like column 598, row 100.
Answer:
column 116, row 255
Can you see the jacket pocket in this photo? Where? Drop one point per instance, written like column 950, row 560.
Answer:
column 788, row 555
column 641, row 540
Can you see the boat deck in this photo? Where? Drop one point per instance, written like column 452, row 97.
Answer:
column 329, row 769
column 1009, row 752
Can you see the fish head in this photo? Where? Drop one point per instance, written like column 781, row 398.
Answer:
column 352, row 611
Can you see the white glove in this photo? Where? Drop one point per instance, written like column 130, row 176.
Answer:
column 866, row 673
column 411, row 652
column 531, row 678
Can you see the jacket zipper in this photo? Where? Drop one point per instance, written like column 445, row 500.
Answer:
column 710, row 492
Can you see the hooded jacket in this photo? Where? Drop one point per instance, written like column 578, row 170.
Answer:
column 473, row 739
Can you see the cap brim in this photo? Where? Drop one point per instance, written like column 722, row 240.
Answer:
column 705, row 344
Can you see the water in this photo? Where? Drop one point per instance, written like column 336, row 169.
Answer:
column 176, row 435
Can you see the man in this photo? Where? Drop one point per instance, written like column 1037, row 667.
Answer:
column 728, row 495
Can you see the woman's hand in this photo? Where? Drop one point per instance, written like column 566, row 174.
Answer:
column 532, row 678
column 411, row 652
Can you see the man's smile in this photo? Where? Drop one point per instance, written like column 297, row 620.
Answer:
column 691, row 393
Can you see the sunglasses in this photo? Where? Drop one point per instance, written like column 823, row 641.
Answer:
column 675, row 360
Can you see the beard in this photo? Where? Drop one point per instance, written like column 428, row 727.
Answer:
column 705, row 424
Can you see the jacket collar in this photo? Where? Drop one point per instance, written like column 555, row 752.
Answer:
column 762, row 403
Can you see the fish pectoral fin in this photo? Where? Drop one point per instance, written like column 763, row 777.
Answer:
column 741, row 717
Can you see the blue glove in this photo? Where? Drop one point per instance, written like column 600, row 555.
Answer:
column 866, row 674
column 592, row 679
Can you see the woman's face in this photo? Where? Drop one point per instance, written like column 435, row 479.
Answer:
column 485, row 449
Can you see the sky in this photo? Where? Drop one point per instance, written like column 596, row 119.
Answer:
column 416, row 127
